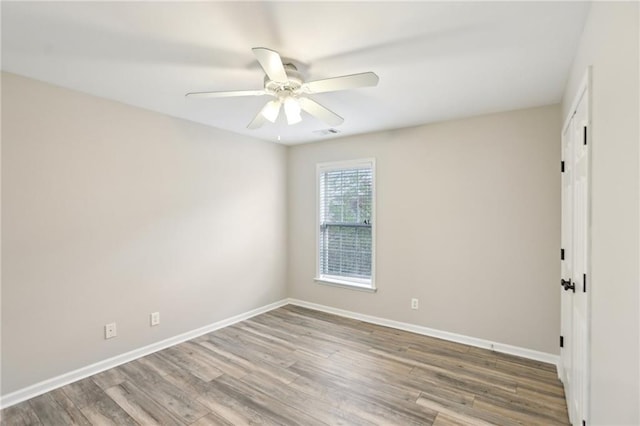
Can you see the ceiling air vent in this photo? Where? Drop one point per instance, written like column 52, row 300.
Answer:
column 325, row 132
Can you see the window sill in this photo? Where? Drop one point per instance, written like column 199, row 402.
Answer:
column 345, row 284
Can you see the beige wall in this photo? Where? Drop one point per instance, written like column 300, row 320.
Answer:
column 468, row 221
column 610, row 44
column 110, row 212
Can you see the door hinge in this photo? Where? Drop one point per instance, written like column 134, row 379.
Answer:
column 584, row 133
column 561, row 254
column 584, row 283
column 562, row 166
column 562, row 341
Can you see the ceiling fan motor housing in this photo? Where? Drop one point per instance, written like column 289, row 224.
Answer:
column 291, row 86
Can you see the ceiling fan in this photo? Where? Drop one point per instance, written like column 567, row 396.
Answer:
column 284, row 82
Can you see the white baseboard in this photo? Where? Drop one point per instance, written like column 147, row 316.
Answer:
column 445, row 335
column 89, row 370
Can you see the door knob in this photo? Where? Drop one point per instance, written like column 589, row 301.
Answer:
column 567, row 284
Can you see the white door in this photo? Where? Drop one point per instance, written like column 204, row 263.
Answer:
column 575, row 265
column 580, row 269
column 566, row 255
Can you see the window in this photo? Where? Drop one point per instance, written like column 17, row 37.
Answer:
column 346, row 227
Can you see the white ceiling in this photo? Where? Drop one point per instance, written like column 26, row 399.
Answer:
column 436, row 60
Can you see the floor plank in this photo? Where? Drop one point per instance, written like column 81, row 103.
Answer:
column 50, row 412
column 19, row 415
column 141, row 407
column 294, row 366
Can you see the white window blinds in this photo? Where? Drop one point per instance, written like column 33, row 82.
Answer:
column 345, row 235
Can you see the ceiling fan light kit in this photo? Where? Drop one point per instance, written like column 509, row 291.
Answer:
column 292, row 110
column 271, row 110
column 284, row 82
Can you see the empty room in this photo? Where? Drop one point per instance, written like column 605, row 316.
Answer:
column 320, row 213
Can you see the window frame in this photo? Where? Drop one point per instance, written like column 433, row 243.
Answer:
column 339, row 281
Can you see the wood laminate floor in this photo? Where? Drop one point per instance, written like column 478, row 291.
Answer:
column 295, row 366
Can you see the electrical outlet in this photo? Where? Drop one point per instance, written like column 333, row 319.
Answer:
column 110, row 331
column 414, row 303
column 155, row 318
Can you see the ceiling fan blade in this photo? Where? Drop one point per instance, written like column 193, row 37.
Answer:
column 352, row 81
column 226, row 94
column 320, row 112
column 271, row 63
column 257, row 122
